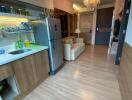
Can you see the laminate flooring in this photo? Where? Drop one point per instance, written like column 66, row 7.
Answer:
column 93, row 76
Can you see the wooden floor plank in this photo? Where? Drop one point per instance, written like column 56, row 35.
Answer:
column 93, row 76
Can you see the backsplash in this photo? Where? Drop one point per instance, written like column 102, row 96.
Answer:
column 12, row 38
column 8, row 41
column 10, row 32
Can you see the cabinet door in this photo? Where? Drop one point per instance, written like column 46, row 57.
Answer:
column 39, row 3
column 45, row 62
column 6, row 71
column 42, row 65
column 25, row 73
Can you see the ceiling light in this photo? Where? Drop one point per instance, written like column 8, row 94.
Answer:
column 91, row 3
column 76, row 8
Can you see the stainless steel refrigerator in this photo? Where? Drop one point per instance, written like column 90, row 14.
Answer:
column 48, row 33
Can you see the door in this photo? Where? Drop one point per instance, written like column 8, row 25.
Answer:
column 57, row 51
column 54, row 28
column 103, row 26
column 40, row 32
column 122, row 32
column 57, row 29
column 64, row 25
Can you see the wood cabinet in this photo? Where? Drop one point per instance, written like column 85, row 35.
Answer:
column 31, row 70
column 40, row 3
column 42, row 65
column 5, row 71
column 25, row 73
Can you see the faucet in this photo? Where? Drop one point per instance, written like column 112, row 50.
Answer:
column 4, row 35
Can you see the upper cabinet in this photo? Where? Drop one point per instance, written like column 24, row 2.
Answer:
column 41, row 3
column 65, row 5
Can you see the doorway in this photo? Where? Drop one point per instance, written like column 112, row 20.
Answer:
column 103, row 26
column 67, row 20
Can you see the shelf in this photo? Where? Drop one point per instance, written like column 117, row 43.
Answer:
column 8, row 94
column 10, row 90
column 18, row 16
column 20, row 32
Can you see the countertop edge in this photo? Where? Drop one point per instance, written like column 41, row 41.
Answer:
column 13, row 58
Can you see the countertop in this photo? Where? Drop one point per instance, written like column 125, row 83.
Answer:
column 7, row 58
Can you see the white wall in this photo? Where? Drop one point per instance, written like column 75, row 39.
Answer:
column 94, row 26
column 86, row 20
column 129, row 29
column 65, row 5
column 41, row 3
column 86, row 24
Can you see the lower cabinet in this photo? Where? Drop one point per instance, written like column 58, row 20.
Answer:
column 6, row 71
column 8, row 87
column 25, row 73
column 42, row 65
column 30, row 70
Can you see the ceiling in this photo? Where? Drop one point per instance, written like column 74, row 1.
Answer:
column 80, row 4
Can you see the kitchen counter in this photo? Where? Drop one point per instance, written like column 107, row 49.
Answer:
column 7, row 58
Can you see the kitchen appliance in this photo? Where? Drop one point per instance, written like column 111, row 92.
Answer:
column 48, row 33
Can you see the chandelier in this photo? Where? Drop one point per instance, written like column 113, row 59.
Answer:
column 91, row 3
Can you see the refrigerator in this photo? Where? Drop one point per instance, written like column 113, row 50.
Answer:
column 48, row 33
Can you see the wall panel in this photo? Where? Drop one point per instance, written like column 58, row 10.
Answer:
column 125, row 73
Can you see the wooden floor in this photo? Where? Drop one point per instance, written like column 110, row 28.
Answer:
column 93, row 76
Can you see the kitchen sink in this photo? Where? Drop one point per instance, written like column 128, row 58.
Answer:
column 20, row 51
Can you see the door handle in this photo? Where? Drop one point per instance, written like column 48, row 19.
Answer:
column 52, row 42
column 50, row 32
column 97, row 29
